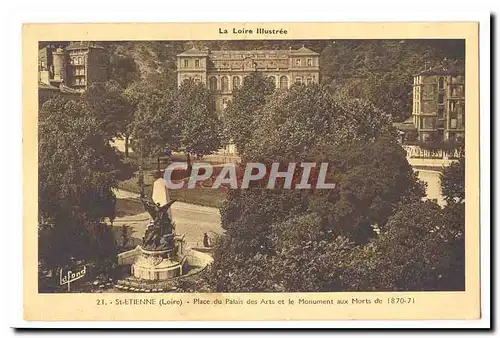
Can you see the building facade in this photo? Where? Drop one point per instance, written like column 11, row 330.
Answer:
column 224, row 71
column 73, row 67
column 439, row 104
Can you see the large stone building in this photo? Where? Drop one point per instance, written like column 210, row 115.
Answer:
column 70, row 70
column 222, row 71
column 439, row 104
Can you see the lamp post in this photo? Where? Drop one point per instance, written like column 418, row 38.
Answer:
column 140, row 180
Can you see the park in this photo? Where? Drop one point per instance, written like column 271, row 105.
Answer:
column 321, row 194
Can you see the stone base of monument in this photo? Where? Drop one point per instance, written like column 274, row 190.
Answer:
column 157, row 265
column 192, row 263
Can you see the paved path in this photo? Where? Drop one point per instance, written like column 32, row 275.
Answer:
column 433, row 181
column 191, row 220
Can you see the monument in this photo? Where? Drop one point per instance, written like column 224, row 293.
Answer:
column 161, row 252
column 163, row 257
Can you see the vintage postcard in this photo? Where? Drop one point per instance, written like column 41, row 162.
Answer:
column 247, row 171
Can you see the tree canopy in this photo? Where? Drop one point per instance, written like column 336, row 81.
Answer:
column 240, row 115
column 201, row 130
column 112, row 109
column 453, row 182
column 292, row 240
column 181, row 118
column 78, row 169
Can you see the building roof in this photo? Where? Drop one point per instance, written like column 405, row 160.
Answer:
column 194, row 52
column 82, row 45
column 303, row 51
column 247, row 53
column 216, row 54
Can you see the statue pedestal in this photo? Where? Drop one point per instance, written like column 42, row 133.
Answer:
column 157, row 265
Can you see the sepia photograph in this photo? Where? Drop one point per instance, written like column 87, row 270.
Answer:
column 251, row 166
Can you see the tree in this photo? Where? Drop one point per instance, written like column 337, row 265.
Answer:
column 122, row 68
column 200, row 127
column 293, row 240
column 420, row 248
column 112, row 108
column 77, row 171
column 241, row 113
column 453, row 182
column 366, row 163
column 373, row 179
column 305, row 122
column 175, row 119
column 155, row 127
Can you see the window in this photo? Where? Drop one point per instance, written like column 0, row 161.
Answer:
column 309, row 62
column 427, row 123
column 186, row 63
column 236, row 82
column 298, row 80
column 441, row 83
column 460, row 116
column 273, row 80
column 213, row 83
column 197, row 63
column 283, row 82
column 440, row 134
column 297, row 62
column 441, row 98
column 458, row 91
column 224, row 84
column 309, row 81
column 440, row 112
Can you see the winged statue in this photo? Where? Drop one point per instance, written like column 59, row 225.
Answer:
column 159, row 234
